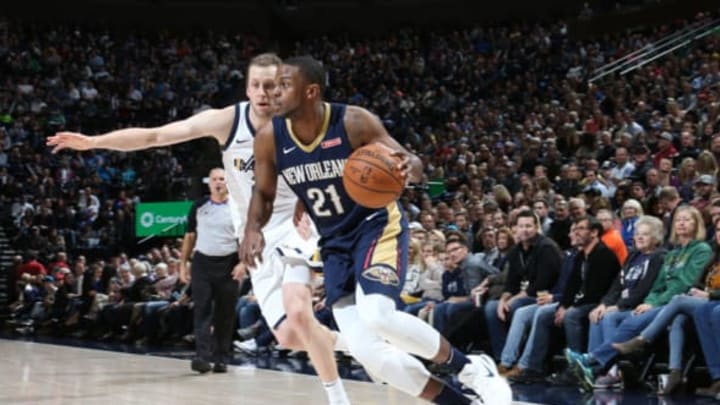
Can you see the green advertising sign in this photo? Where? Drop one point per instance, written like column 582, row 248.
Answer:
column 161, row 218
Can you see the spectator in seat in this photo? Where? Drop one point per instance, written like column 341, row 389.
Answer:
column 411, row 289
column 432, row 259
column 525, row 365
column 466, row 272
column 534, row 264
column 675, row 315
column 610, row 236
column 682, row 266
column 560, row 228
column 629, row 213
column 705, row 190
column 629, row 289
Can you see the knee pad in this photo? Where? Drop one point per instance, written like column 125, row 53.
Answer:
column 404, row 331
column 380, row 359
column 375, row 312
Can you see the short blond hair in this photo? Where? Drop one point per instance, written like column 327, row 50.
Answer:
column 632, row 203
column 265, row 59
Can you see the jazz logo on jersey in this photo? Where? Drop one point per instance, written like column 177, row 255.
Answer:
column 382, row 274
column 244, row 165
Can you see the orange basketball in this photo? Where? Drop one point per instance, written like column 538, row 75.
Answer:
column 371, row 177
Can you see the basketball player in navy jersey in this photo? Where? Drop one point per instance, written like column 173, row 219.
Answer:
column 282, row 292
column 364, row 251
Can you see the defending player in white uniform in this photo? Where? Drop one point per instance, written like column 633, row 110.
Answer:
column 284, row 296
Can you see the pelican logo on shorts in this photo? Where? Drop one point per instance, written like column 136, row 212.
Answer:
column 382, row 274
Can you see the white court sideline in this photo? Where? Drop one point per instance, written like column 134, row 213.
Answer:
column 37, row 373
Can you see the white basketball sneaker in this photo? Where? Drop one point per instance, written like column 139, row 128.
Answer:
column 482, row 376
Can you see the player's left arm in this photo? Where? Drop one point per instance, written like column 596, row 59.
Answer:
column 363, row 128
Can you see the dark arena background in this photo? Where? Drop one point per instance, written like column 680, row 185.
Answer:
column 598, row 117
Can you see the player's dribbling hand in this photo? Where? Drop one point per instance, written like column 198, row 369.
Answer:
column 403, row 165
column 68, row 140
column 251, row 248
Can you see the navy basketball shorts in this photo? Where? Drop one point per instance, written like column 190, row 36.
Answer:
column 374, row 255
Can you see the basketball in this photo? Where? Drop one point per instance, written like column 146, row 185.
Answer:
column 371, row 177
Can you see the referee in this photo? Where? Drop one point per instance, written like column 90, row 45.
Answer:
column 211, row 238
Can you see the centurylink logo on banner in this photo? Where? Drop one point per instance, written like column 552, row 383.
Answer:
column 162, row 219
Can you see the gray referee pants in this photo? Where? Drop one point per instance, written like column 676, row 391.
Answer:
column 214, row 294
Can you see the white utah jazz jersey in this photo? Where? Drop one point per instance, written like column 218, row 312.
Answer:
column 239, row 163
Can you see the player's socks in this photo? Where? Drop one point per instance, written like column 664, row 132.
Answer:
column 451, row 396
column 336, row 393
column 457, row 360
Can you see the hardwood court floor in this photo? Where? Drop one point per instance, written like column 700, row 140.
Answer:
column 61, row 373
column 37, row 373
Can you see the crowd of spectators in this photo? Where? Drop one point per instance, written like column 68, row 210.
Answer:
column 503, row 118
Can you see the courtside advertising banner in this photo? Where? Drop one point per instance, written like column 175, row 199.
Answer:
column 161, row 218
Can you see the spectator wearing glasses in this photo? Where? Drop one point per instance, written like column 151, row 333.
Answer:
column 466, row 272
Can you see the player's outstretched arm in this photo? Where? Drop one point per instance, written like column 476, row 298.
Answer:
column 261, row 203
column 363, row 128
column 216, row 123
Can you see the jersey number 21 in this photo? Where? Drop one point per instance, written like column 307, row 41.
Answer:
column 320, row 207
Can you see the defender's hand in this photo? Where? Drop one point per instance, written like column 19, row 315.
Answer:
column 69, row 140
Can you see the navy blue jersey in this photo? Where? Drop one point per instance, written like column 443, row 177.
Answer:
column 314, row 172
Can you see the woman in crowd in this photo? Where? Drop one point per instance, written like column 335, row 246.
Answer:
column 628, row 290
column 492, row 286
column 431, row 270
column 676, row 313
column 685, row 178
column 681, row 268
column 504, row 242
column 411, row 289
column 706, row 163
column 629, row 214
